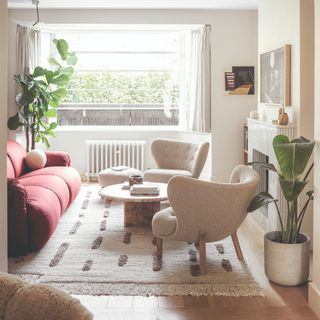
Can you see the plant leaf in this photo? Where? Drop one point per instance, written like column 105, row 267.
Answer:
column 292, row 156
column 61, row 80
column 72, row 59
column 59, row 93
column 53, row 125
column 68, row 71
column 39, row 72
column 54, row 62
column 291, row 189
column 263, row 165
column 52, row 113
column 14, row 122
column 62, row 47
column 260, row 200
column 49, row 76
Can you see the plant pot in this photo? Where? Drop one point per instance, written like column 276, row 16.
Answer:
column 286, row 264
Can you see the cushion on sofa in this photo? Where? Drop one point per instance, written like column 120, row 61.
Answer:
column 54, row 183
column 68, row 174
column 36, row 159
column 44, row 211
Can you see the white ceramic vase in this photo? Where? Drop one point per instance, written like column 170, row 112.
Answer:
column 287, row 264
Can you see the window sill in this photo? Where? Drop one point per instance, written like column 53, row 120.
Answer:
column 126, row 128
column 117, row 128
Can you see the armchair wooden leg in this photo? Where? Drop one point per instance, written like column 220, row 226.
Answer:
column 202, row 251
column 159, row 248
column 236, row 245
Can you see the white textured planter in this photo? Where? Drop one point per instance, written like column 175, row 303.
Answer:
column 287, row 264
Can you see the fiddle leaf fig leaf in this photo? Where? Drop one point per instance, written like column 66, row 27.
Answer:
column 61, row 80
column 14, row 122
column 62, row 47
column 39, row 72
column 72, row 59
column 54, row 62
column 59, row 93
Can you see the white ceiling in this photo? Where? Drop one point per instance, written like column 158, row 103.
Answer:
column 137, row 4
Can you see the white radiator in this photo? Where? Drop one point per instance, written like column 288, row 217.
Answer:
column 103, row 154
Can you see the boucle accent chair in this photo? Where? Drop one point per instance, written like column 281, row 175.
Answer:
column 176, row 158
column 203, row 211
column 22, row 301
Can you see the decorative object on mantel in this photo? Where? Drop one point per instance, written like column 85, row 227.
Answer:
column 283, row 117
column 90, row 264
column 287, row 251
column 275, row 76
column 240, row 81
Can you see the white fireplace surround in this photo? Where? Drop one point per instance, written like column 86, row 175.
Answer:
column 260, row 137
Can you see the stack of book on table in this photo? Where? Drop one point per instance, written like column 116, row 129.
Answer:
column 145, row 189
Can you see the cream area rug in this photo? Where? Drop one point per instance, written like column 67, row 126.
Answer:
column 91, row 252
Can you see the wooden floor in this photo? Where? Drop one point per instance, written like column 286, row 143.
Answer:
column 280, row 303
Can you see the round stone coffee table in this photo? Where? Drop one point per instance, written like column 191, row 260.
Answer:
column 138, row 210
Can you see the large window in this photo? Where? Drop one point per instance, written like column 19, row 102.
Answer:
column 123, row 76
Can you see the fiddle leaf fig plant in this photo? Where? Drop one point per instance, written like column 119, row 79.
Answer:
column 293, row 158
column 41, row 93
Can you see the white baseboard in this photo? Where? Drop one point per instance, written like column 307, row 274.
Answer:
column 314, row 299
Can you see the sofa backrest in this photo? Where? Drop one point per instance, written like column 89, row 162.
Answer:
column 15, row 159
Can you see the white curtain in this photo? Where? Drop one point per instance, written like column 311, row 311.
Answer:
column 28, row 49
column 195, row 93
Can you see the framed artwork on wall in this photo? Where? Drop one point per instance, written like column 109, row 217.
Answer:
column 240, row 81
column 275, row 76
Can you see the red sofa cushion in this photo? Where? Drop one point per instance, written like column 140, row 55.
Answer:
column 16, row 154
column 17, row 219
column 54, row 183
column 43, row 209
column 10, row 170
column 68, row 174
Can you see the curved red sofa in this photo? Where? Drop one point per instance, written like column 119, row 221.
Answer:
column 37, row 199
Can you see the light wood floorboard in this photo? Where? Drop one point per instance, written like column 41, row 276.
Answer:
column 280, row 303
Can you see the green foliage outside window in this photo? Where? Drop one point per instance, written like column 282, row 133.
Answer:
column 123, row 88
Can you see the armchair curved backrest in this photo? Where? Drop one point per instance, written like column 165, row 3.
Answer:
column 174, row 154
column 218, row 209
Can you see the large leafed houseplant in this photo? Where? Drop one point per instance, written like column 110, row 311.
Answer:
column 287, row 250
column 41, row 93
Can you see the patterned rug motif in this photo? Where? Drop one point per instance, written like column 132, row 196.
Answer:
column 91, row 252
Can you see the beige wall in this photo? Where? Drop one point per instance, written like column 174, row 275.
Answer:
column 292, row 22
column 314, row 287
column 235, row 41
column 3, row 132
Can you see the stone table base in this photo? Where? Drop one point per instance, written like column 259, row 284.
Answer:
column 140, row 213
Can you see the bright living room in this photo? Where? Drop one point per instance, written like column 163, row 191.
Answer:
column 228, row 115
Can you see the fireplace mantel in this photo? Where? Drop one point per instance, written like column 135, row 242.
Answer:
column 260, row 137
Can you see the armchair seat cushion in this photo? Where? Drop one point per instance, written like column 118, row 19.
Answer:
column 164, row 175
column 164, row 223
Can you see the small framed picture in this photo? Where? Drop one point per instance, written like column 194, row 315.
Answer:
column 240, row 81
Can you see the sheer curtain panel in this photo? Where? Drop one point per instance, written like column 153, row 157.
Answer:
column 197, row 84
column 28, row 49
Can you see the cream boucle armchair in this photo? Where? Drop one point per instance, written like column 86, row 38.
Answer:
column 176, row 158
column 204, row 211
